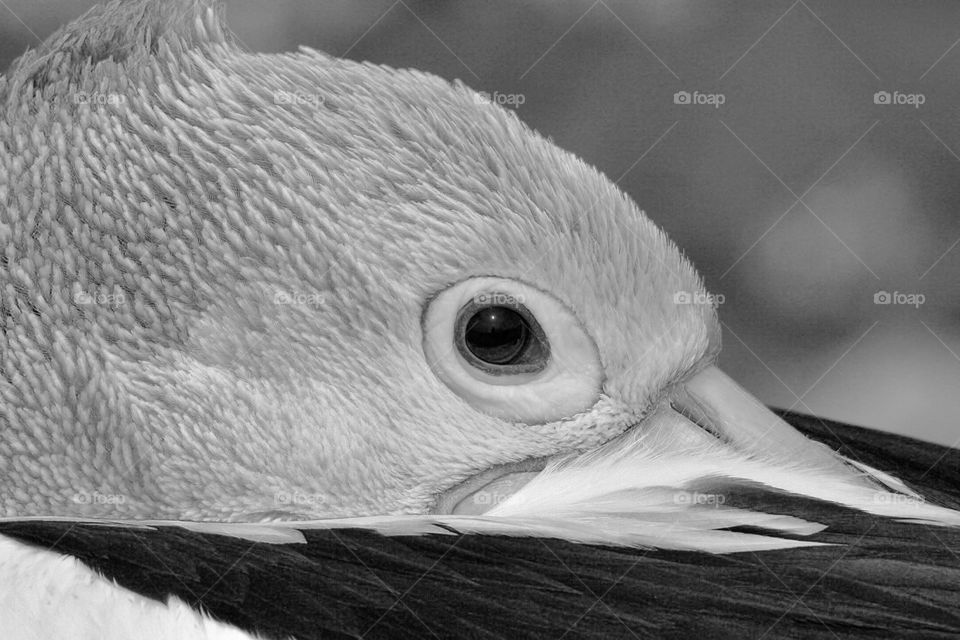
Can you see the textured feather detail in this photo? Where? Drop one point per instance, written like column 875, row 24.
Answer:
column 171, row 221
column 658, row 476
column 690, row 530
column 47, row 595
column 873, row 577
column 877, row 578
column 651, row 488
column 695, row 529
column 283, row 533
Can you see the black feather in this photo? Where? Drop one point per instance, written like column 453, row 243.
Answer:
column 881, row 578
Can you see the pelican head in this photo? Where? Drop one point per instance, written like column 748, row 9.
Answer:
column 258, row 287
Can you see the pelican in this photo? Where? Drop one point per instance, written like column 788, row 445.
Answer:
column 287, row 337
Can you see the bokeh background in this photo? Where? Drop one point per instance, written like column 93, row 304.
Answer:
column 799, row 198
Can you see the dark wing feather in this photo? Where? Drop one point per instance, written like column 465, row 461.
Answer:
column 931, row 469
column 881, row 578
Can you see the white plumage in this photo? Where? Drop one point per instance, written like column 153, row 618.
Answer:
column 256, row 313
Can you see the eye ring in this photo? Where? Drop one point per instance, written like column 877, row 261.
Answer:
column 536, row 384
column 500, row 336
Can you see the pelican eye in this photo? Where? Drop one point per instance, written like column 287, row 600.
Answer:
column 500, row 336
column 511, row 350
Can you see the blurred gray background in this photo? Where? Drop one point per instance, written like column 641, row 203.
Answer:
column 799, row 198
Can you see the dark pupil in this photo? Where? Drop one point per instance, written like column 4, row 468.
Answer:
column 496, row 335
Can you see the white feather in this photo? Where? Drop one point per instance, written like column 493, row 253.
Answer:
column 648, row 469
column 48, row 596
column 665, row 487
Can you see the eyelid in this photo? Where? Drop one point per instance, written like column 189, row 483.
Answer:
column 536, row 353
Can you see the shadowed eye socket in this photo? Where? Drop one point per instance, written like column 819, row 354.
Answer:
column 511, row 350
